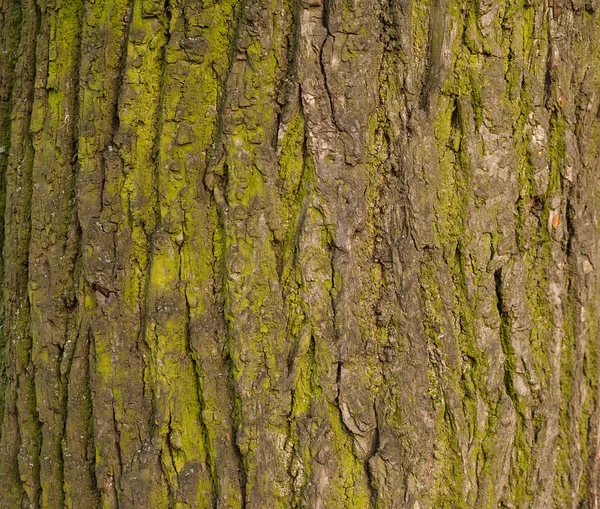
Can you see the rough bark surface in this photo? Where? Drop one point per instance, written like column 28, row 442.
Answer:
column 299, row 253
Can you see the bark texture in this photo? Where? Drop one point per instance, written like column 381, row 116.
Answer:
column 299, row 253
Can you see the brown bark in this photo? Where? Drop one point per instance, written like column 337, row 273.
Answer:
column 299, row 253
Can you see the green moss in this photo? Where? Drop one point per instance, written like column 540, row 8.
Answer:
column 295, row 174
column 454, row 177
column 449, row 487
column 350, row 483
column 540, row 336
column 472, row 36
column 420, row 27
column 487, row 463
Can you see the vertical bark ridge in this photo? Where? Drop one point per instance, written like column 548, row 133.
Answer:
column 54, row 239
column 253, row 229
column 334, row 46
column 19, row 455
column 584, row 219
column 11, row 22
column 104, row 44
column 213, row 180
column 162, row 423
column 184, row 455
column 197, row 65
column 404, row 435
column 202, row 66
column 131, row 473
column 572, row 220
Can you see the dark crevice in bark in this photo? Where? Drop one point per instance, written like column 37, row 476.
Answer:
column 75, row 120
column 169, row 457
column 505, row 339
column 328, row 91
column 166, row 26
column 297, row 222
column 371, row 481
column 88, row 395
column 550, row 76
column 570, row 231
column 66, row 355
column 116, row 484
column 289, row 88
column 326, row 14
column 330, row 95
column 119, row 82
column 236, row 418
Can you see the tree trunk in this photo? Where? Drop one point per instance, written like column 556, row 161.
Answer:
column 299, row 253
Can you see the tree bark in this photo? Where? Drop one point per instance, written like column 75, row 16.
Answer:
column 299, row 253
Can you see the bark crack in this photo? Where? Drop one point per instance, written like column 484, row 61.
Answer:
column 116, row 485
column 328, row 91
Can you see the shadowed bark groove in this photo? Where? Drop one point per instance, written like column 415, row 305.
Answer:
column 299, row 253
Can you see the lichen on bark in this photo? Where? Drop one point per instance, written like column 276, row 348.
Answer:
column 299, row 253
